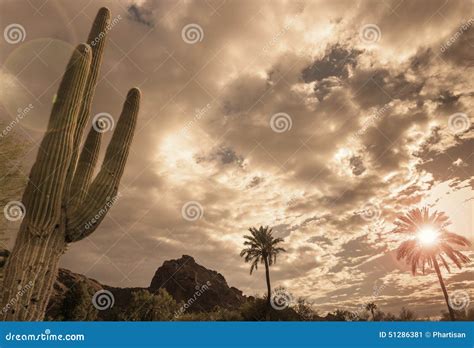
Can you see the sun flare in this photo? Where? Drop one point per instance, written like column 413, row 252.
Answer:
column 427, row 236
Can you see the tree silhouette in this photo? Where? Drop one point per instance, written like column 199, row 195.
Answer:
column 429, row 242
column 262, row 247
column 371, row 307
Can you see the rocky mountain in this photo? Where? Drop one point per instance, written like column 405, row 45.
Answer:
column 182, row 278
column 62, row 293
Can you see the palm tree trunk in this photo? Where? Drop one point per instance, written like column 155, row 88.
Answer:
column 269, row 289
column 267, row 275
column 445, row 292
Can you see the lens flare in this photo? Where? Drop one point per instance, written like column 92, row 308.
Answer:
column 427, row 236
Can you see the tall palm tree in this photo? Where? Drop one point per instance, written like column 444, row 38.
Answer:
column 262, row 247
column 371, row 307
column 430, row 241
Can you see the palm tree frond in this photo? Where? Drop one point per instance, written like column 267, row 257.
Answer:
column 417, row 254
column 260, row 245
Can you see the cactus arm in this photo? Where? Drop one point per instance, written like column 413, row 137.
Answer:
column 43, row 194
column 103, row 190
column 96, row 40
column 85, row 167
column 34, row 261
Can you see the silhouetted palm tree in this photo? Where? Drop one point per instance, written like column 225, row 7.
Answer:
column 262, row 247
column 430, row 240
column 371, row 307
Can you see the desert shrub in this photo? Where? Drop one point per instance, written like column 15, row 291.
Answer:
column 145, row 306
column 406, row 315
column 388, row 317
column 223, row 314
column 378, row 315
column 254, row 310
column 193, row 316
column 218, row 314
column 77, row 305
column 340, row 315
column 258, row 310
column 305, row 310
column 463, row 315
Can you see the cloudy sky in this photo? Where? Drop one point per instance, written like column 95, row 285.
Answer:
column 323, row 119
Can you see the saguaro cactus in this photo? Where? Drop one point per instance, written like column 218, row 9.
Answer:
column 3, row 257
column 63, row 203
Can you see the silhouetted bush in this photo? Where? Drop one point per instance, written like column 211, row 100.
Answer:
column 258, row 310
column 218, row 314
column 406, row 315
column 77, row 306
column 146, row 306
column 466, row 315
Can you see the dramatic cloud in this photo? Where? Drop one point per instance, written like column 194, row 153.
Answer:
column 276, row 113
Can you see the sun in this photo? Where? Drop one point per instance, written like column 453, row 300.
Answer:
column 427, row 235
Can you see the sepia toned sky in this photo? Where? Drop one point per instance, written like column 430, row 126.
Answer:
column 323, row 119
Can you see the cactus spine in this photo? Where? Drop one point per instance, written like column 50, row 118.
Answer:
column 61, row 198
